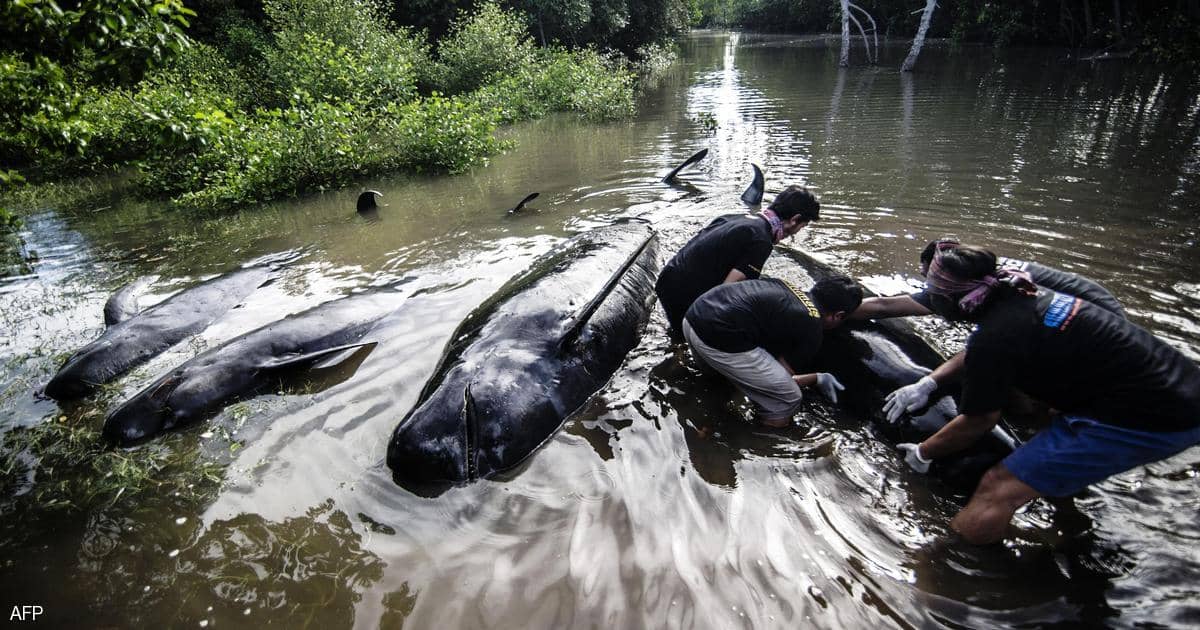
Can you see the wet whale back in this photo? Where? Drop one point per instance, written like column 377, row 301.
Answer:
column 242, row 366
column 130, row 343
column 527, row 358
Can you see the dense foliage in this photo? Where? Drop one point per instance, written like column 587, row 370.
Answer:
column 624, row 25
column 303, row 95
column 1165, row 31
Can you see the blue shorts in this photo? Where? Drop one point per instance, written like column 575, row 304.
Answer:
column 1075, row 452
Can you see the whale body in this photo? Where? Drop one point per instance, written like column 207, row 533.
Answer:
column 248, row 364
column 134, row 339
column 527, row 358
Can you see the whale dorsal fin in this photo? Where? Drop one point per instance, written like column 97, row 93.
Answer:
column 754, row 192
column 696, row 157
column 580, row 319
column 123, row 304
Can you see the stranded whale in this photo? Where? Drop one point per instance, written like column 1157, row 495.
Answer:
column 246, row 365
column 134, row 339
column 527, row 358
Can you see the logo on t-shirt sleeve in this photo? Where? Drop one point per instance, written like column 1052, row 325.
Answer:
column 1061, row 311
column 1012, row 264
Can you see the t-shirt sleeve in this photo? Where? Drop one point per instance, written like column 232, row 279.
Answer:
column 1075, row 285
column 922, row 298
column 753, row 256
column 991, row 366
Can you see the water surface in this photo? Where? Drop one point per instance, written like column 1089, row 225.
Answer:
column 655, row 505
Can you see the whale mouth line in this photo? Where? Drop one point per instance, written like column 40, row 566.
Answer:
column 470, row 432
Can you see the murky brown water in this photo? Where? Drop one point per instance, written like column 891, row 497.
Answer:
column 653, row 506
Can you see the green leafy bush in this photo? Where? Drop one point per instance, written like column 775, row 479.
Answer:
column 581, row 81
column 304, row 62
column 481, row 48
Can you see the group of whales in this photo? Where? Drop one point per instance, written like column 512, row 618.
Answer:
column 511, row 374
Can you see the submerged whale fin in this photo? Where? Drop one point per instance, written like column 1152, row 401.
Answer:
column 521, row 204
column 696, row 157
column 581, row 318
column 308, row 358
column 124, row 303
column 754, row 193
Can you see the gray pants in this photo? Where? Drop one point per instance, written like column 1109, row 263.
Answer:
column 756, row 373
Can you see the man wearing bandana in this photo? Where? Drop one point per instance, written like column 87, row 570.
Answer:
column 1125, row 398
column 915, row 396
column 731, row 248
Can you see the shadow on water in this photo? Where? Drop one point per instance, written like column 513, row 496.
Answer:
column 657, row 504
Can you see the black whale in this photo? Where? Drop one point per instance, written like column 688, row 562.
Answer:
column 872, row 359
column 133, row 339
column 247, row 364
column 527, row 358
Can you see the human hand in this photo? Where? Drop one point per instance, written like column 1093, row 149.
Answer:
column 829, row 386
column 912, row 457
column 908, row 398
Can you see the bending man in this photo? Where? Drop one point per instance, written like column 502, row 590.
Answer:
column 731, row 248
column 1125, row 397
column 757, row 333
column 912, row 397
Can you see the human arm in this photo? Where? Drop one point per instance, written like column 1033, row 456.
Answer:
column 884, row 307
column 958, row 434
column 734, row 275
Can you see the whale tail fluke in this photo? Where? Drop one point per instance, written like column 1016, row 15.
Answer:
column 696, row 157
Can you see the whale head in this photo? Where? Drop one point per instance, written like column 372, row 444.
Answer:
column 146, row 414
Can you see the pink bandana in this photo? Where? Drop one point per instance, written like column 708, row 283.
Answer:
column 941, row 281
column 776, row 223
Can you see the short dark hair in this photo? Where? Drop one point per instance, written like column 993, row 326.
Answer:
column 837, row 293
column 796, row 201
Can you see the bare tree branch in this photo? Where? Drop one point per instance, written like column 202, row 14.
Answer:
column 911, row 60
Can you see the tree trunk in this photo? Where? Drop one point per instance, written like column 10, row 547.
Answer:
column 1087, row 21
column 1117, row 20
column 919, row 40
column 845, row 57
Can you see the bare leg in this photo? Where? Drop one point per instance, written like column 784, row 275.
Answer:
column 987, row 514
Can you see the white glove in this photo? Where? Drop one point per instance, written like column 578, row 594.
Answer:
column 912, row 457
column 908, row 398
column 828, row 386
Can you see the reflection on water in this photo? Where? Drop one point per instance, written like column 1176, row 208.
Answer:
column 656, row 505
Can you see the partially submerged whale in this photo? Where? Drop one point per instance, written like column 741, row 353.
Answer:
column 135, row 338
column 246, row 365
column 872, row 359
column 527, row 358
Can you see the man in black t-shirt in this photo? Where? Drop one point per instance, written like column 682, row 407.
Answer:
column 731, row 248
column 1126, row 397
column 915, row 396
column 758, row 333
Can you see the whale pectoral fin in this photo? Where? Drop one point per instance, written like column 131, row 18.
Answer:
column 318, row 359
